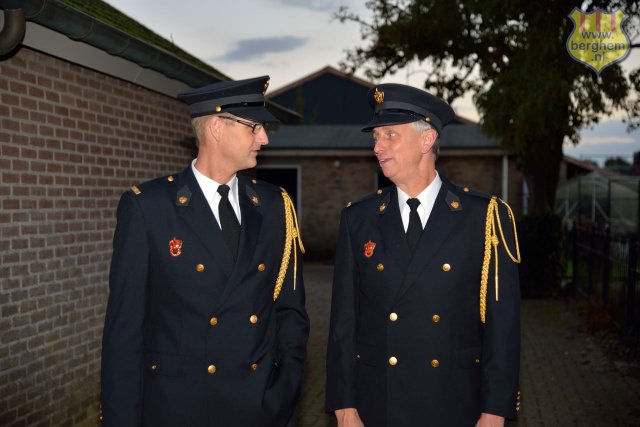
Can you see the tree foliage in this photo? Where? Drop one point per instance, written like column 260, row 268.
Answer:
column 511, row 56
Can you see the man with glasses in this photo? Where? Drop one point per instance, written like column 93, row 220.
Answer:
column 424, row 332
column 206, row 324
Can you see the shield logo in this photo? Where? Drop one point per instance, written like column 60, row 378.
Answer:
column 368, row 249
column 175, row 247
column 378, row 96
column 597, row 39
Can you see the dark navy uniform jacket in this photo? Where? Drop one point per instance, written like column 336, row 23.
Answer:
column 195, row 339
column 407, row 346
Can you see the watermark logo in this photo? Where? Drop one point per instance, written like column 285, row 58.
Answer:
column 597, row 39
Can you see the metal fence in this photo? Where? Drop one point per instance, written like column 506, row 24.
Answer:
column 604, row 269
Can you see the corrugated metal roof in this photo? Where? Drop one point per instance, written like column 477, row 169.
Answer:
column 350, row 137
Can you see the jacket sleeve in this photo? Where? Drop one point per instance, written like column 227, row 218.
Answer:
column 501, row 335
column 122, row 339
column 292, row 335
column 341, row 363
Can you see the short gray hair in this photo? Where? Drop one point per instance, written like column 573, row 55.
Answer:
column 198, row 125
column 422, row 126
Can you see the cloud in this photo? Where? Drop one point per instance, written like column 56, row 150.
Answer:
column 319, row 5
column 610, row 139
column 255, row 48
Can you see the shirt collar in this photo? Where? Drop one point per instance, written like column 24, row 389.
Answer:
column 210, row 187
column 427, row 196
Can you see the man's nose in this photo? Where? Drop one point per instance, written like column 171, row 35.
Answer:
column 261, row 137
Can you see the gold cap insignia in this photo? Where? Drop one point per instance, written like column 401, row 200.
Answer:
column 455, row 205
column 182, row 200
column 382, row 207
column 378, row 96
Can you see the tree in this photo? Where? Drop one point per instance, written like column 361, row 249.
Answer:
column 616, row 163
column 511, row 56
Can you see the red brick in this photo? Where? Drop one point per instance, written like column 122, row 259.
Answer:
column 36, row 92
column 9, row 99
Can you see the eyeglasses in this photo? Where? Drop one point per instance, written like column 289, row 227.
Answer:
column 255, row 127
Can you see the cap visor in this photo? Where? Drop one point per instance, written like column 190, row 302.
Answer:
column 389, row 119
column 257, row 114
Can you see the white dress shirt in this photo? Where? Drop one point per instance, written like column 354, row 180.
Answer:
column 427, row 199
column 210, row 189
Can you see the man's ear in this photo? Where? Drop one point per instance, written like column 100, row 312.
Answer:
column 428, row 139
column 215, row 127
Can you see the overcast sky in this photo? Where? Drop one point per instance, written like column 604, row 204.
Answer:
column 289, row 39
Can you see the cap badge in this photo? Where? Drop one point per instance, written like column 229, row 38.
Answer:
column 175, row 247
column 368, row 249
column 378, row 96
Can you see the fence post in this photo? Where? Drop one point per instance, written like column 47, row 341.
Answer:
column 574, row 256
column 592, row 235
column 606, row 264
column 631, row 287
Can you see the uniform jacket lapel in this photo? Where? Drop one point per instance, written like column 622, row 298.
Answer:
column 250, row 230
column 442, row 220
column 392, row 230
column 197, row 214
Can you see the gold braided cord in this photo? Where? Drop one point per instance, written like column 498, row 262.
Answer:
column 292, row 236
column 491, row 240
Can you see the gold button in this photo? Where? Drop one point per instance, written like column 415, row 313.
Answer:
column 435, row 363
column 446, row 267
column 261, row 267
column 211, row 369
column 466, row 189
column 393, row 317
column 380, row 267
column 379, row 191
column 253, row 319
column 170, row 178
column 213, row 321
column 357, row 356
column 253, row 181
column 477, row 360
column 348, row 204
column 393, row 361
column 200, row 267
column 218, row 109
column 154, row 367
column 435, row 318
column 254, row 366
column 455, row 205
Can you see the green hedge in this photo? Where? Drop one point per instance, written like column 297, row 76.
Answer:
column 541, row 243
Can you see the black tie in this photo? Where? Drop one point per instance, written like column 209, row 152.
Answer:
column 228, row 221
column 414, row 230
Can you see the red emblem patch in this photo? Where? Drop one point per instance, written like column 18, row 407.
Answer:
column 175, row 247
column 368, row 248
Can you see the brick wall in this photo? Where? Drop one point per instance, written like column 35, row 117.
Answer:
column 326, row 189
column 72, row 140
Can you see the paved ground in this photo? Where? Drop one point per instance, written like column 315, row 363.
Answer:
column 566, row 379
